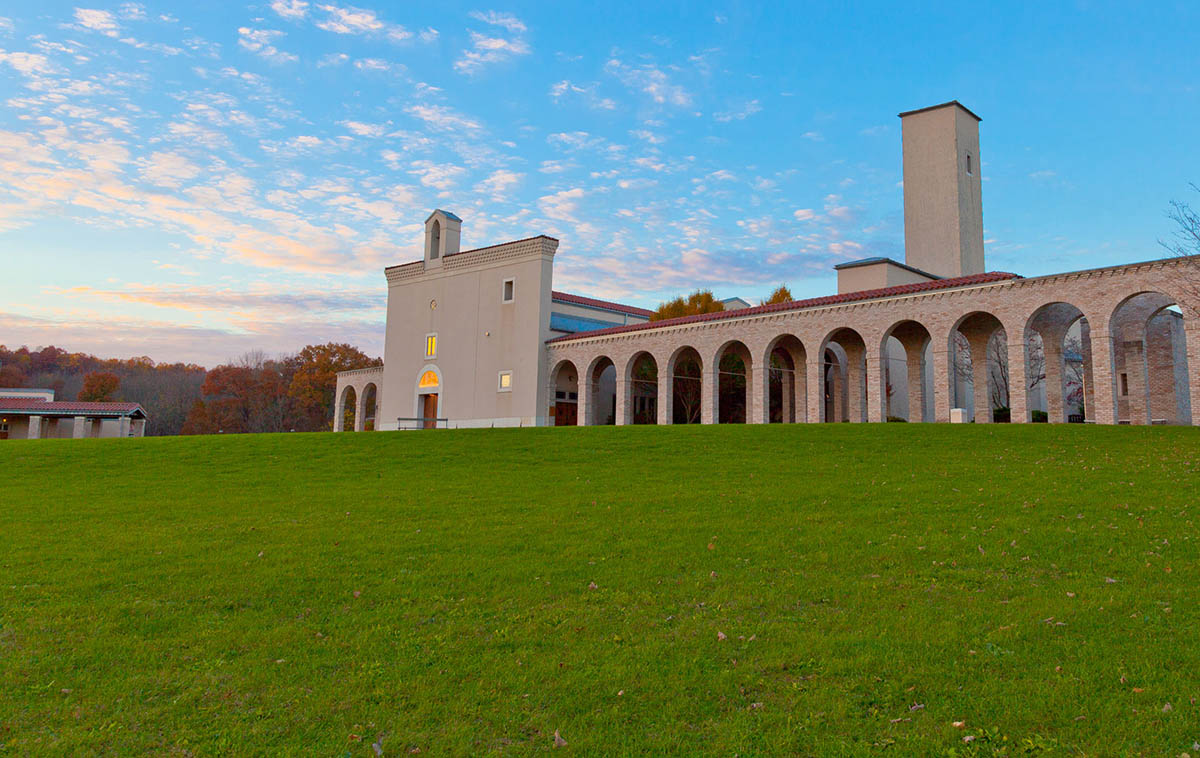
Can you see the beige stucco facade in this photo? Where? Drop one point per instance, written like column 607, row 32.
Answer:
column 480, row 338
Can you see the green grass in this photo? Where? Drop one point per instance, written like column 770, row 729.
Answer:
column 280, row 595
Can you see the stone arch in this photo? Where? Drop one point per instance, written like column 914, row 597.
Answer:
column 978, row 351
column 600, row 392
column 846, row 387
column 641, row 389
column 368, row 407
column 344, row 411
column 1058, row 370
column 564, row 394
column 786, row 385
column 906, row 359
column 1151, row 377
column 732, row 368
column 686, row 369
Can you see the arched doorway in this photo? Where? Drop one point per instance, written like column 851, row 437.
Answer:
column 564, row 383
column 429, row 398
column 734, row 365
column 643, row 389
column 979, row 351
column 787, row 398
column 1151, row 375
column 1058, row 365
column 845, row 352
column 370, row 403
column 687, row 370
column 907, row 370
column 345, row 413
column 602, row 392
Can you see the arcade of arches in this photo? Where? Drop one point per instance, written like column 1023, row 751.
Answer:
column 1118, row 345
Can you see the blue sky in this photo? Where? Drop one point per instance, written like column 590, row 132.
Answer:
column 192, row 181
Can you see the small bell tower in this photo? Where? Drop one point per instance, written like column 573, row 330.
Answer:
column 443, row 233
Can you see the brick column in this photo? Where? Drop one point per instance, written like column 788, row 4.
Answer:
column 814, row 390
column 710, row 385
column 1139, row 390
column 876, row 396
column 1052, row 353
column 854, row 385
column 758, row 402
column 800, row 392
column 943, row 371
column 666, row 398
column 1191, row 335
column 914, row 356
column 624, row 412
column 979, row 378
column 1089, row 378
column 583, row 406
column 1018, row 384
column 1103, row 391
column 788, row 412
column 79, row 431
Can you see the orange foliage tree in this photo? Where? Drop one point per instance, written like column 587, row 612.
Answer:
column 700, row 301
column 99, row 387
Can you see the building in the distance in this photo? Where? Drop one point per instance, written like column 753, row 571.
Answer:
column 35, row 414
column 481, row 337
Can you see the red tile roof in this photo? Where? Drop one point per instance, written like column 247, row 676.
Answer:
column 34, row 407
column 795, row 305
column 590, row 302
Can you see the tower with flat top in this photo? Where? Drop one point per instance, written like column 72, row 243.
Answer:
column 943, row 199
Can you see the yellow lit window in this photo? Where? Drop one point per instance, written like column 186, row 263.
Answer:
column 431, row 346
column 428, row 379
column 505, row 381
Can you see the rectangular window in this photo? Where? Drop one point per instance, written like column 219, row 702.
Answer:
column 506, row 294
column 970, row 168
column 1124, row 385
column 505, row 382
column 430, row 345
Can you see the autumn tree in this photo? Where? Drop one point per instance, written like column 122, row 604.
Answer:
column 781, row 295
column 314, row 380
column 700, row 301
column 99, row 387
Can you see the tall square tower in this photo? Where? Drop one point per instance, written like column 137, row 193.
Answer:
column 943, row 197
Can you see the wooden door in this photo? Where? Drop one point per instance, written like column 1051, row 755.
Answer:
column 566, row 414
column 429, row 411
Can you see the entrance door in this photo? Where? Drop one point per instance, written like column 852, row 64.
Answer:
column 566, row 414
column 429, row 408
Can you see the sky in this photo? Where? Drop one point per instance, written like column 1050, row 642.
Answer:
column 193, row 181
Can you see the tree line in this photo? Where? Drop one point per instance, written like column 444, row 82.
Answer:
column 254, row 393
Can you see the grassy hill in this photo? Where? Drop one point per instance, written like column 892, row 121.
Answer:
column 831, row 590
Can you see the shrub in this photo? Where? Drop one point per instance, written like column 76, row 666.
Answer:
column 900, row 419
column 1002, row 415
column 1040, row 417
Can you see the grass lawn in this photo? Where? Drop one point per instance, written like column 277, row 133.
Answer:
column 824, row 590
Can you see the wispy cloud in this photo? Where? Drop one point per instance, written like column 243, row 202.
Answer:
column 650, row 80
column 487, row 49
column 261, row 43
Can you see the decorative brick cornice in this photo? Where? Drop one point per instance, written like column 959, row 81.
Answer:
column 534, row 246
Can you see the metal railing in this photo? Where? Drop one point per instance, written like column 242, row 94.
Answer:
column 422, row 422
